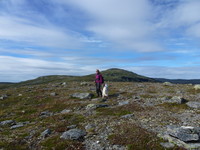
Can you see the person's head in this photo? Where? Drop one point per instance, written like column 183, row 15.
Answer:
column 97, row 71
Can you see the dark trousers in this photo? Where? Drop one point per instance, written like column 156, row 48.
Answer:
column 98, row 89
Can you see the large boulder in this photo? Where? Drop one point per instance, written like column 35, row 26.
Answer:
column 73, row 134
column 194, row 104
column 177, row 100
column 82, row 95
column 184, row 133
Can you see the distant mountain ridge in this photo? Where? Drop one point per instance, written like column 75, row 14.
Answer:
column 179, row 81
column 112, row 75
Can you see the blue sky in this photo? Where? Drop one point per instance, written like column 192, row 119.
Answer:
column 155, row 38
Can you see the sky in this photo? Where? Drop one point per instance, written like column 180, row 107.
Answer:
column 154, row 38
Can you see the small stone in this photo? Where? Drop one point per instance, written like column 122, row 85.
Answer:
column 73, row 134
column 83, row 83
column 195, row 105
column 127, row 116
column 65, row 111
column 90, row 127
column 46, row 114
column 167, row 145
column 123, row 103
column 71, row 127
column 167, row 84
column 53, row 94
column 7, row 122
column 64, row 83
column 17, row 126
column 3, row 97
column 45, row 133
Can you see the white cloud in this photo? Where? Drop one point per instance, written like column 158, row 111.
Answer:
column 125, row 23
column 22, row 30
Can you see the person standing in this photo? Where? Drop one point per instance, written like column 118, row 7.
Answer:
column 98, row 82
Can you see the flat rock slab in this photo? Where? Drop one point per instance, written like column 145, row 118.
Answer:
column 73, row 134
column 195, row 105
column 7, row 122
column 127, row 116
column 123, row 103
column 185, row 134
column 82, row 95
column 17, row 126
column 95, row 106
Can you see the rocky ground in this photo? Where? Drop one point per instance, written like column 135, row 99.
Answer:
column 69, row 116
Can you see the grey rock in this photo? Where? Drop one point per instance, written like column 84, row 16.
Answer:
column 95, row 106
column 3, row 97
column 193, row 104
column 46, row 114
column 83, row 83
column 19, row 95
column 65, row 111
column 73, row 134
column 17, row 126
column 64, row 83
column 90, row 127
column 7, row 122
column 71, row 127
column 127, row 116
column 177, row 99
column 53, row 94
column 82, row 95
column 45, row 133
column 167, row 145
column 186, row 134
column 123, row 103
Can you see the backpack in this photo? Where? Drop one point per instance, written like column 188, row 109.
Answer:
column 102, row 79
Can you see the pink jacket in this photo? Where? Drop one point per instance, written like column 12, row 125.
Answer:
column 98, row 78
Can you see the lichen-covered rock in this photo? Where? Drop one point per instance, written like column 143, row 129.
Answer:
column 194, row 105
column 82, row 95
column 7, row 122
column 167, row 145
column 46, row 114
column 53, row 94
column 185, row 134
column 123, row 103
column 95, row 106
column 177, row 99
column 73, row 134
column 17, row 126
column 65, row 111
column 45, row 133
column 127, row 116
